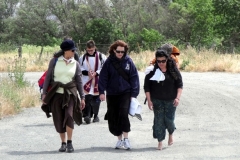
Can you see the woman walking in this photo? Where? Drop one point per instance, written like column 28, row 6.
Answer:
column 163, row 88
column 119, row 78
column 64, row 77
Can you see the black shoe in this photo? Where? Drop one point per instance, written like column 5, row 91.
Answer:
column 87, row 120
column 70, row 148
column 96, row 119
column 63, row 148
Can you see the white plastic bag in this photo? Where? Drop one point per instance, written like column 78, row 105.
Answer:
column 135, row 109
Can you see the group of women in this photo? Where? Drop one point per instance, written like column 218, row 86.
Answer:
column 162, row 85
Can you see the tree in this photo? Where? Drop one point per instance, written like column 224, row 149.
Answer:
column 227, row 14
column 7, row 10
column 190, row 21
column 35, row 25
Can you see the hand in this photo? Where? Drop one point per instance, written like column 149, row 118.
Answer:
column 150, row 105
column 43, row 96
column 82, row 105
column 102, row 97
column 176, row 102
column 92, row 74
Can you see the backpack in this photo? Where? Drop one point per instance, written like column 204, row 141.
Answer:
column 42, row 78
column 100, row 57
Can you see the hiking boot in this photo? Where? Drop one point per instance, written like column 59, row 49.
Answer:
column 70, row 147
column 87, row 120
column 119, row 144
column 126, row 144
column 63, row 147
column 96, row 119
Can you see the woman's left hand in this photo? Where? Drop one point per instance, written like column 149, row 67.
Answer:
column 82, row 104
column 176, row 102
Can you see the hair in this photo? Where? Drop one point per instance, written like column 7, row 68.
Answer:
column 116, row 44
column 90, row 44
column 167, row 47
column 171, row 64
column 161, row 53
column 67, row 38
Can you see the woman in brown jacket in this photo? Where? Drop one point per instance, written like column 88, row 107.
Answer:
column 64, row 76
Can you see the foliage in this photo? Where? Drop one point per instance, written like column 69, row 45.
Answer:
column 16, row 70
column 228, row 14
column 150, row 38
column 200, row 23
column 100, row 30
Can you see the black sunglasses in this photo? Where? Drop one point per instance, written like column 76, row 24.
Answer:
column 120, row 51
column 161, row 61
column 73, row 50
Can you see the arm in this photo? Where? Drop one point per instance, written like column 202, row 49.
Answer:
column 78, row 78
column 49, row 75
column 179, row 83
column 134, row 81
column 103, row 80
column 83, row 69
column 147, row 91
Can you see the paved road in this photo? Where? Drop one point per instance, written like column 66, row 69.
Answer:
column 207, row 122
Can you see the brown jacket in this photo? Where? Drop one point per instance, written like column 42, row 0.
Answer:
column 72, row 88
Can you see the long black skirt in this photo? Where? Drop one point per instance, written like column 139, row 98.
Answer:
column 117, row 113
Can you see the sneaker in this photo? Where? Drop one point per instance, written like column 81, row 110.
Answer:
column 87, row 120
column 126, row 144
column 63, row 148
column 70, row 147
column 119, row 144
column 96, row 119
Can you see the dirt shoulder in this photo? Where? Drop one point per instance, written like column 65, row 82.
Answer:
column 207, row 121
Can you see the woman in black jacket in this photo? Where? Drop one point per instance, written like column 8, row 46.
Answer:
column 163, row 88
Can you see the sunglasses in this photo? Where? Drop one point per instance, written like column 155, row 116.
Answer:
column 120, row 51
column 161, row 61
column 73, row 50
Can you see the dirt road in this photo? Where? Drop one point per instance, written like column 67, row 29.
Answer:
column 207, row 122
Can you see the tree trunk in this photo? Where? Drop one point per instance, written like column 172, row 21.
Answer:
column 40, row 55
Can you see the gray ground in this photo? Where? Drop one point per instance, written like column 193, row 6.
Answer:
column 207, row 122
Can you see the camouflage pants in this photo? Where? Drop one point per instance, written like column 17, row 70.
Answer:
column 164, row 114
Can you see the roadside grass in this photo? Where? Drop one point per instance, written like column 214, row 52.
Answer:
column 13, row 98
column 192, row 60
column 16, row 93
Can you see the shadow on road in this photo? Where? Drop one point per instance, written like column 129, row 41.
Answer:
column 93, row 149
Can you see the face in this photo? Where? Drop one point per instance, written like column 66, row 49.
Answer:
column 119, row 52
column 90, row 50
column 69, row 53
column 162, row 62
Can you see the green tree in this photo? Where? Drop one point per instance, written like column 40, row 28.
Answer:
column 190, row 21
column 101, row 31
column 7, row 10
column 227, row 13
column 34, row 24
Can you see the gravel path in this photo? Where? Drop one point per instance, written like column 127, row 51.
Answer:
column 207, row 122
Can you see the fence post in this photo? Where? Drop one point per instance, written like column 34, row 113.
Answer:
column 20, row 51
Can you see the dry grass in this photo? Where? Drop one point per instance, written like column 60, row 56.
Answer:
column 208, row 61
column 33, row 64
column 190, row 60
column 13, row 98
column 193, row 61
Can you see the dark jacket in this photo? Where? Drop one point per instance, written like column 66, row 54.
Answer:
column 72, row 88
column 115, row 84
column 163, row 90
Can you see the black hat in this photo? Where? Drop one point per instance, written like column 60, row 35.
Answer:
column 68, row 45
